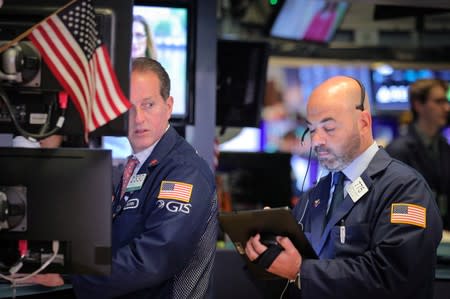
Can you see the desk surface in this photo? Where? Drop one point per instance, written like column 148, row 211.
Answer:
column 443, row 266
column 6, row 290
column 225, row 254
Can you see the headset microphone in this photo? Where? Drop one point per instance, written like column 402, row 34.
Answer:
column 303, row 136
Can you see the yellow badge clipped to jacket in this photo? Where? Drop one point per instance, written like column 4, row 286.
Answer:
column 175, row 190
column 404, row 213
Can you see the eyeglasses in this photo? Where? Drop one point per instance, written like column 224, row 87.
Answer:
column 139, row 36
column 441, row 101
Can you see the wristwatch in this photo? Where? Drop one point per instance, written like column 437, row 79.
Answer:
column 297, row 281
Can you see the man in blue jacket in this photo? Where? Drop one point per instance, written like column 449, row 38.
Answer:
column 380, row 240
column 164, row 219
column 165, row 223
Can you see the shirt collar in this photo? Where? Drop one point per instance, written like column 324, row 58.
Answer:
column 143, row 155
column 357, row 166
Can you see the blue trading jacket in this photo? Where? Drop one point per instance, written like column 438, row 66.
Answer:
column 162, row 247
column 377, row 258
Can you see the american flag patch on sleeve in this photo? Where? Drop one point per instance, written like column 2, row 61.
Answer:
column 408, row 214
column 175, row 190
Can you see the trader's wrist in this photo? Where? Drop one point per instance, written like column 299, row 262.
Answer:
column 296, row 281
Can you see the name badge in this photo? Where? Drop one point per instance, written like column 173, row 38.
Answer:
column 357, row 189
column 136, row 182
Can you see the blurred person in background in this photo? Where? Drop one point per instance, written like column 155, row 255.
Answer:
column 423, row 147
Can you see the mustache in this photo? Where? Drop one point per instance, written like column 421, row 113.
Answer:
column 321, row 148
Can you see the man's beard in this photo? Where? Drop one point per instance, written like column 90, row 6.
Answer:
column 338, row 162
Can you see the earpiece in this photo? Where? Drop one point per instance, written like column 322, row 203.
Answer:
column 303, row 136
column 363, row 94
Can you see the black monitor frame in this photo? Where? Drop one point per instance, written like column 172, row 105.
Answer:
column 68, row 198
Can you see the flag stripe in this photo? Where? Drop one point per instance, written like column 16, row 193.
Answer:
column 62, row 43
column 408, row 214
column 64, row 62
column 108, row 86
column 106, row 111
column 72, row 53
column 175, row 190
column 94, row 120
column 112, row 85
column 70, row 47
column 98, row 110
column 56, row 67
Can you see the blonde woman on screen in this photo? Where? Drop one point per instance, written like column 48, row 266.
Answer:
column 143, row 44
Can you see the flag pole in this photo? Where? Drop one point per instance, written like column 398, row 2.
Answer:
column 24, row 34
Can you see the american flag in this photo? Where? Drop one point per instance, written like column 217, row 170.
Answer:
column 408, row 214
column 69, row 43
column 175, row 190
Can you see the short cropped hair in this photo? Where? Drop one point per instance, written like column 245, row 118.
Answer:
column 420, row 90
column 145, row 64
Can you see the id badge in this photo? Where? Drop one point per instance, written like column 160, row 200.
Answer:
column 136, row 182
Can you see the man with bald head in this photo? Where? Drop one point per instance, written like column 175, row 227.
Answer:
column 375, row 228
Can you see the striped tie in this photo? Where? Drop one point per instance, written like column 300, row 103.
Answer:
column 127, row 172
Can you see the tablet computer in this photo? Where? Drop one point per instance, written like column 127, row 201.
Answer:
column 241, row 225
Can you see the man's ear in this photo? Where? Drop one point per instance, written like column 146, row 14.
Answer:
column 366, row 120
column 417, row 106
column 169, row 103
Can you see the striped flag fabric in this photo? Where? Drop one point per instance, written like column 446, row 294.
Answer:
column 69, row 44
column 175, row 190
column 408, row 214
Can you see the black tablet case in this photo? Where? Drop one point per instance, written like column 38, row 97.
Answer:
column 241, row 225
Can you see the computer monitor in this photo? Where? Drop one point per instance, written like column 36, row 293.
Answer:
column 241, row 80
column 164, row 30
column 308, row 20
column 256, row 180
column 390, row 85
column 58, row 194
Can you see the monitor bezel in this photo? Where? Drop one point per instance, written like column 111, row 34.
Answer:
column 68, row 199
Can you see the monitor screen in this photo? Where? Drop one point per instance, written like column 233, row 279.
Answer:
column 241, row 79
column 308, row 20
column 293, row 84
column 57, row 194
column 250, row 179
column 162, row 31
column 390, row 85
